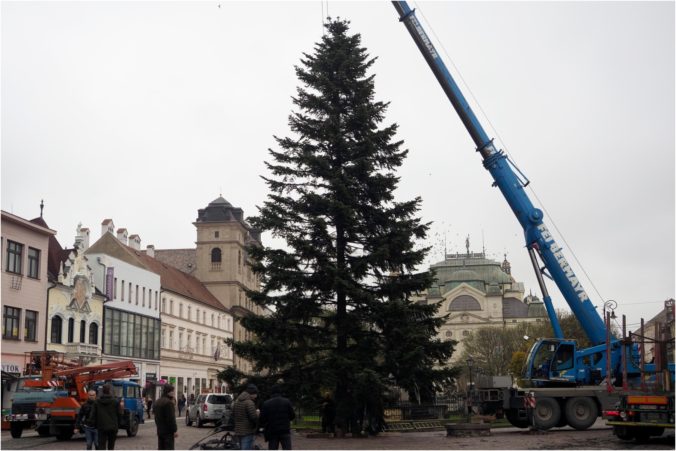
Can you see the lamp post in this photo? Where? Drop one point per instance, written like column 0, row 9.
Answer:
column 470, row 363
column 609, row 305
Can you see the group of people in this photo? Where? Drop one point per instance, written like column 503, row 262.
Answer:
column 99, row 418
column 274, row 417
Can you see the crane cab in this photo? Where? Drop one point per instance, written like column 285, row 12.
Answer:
column 552, row 361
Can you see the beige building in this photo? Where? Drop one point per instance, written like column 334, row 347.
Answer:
column 477, row 292
column 74, row 305
column 219, row 261
column 25, row 247
column 194, row 328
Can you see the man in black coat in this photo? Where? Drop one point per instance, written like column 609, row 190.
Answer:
column 165, row 418
column 105, row 414
column 276, row 415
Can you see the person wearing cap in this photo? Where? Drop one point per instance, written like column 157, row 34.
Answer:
column 246, row 417
column 165, row 418
column 276, row 415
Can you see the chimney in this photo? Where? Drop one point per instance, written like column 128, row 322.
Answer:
column 107, row 226
column 150, row 251
column 122, row 235
column 82, row 238
column 135, row 242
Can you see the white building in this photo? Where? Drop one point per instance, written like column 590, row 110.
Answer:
column 131, row 322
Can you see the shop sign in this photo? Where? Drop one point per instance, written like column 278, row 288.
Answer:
column 10, row 368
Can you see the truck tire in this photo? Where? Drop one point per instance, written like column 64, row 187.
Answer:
column 623, row 432
column 581, row 412
column 513, row 417
column 65, row 434
column 132, row 429
column 15, row 428
column 547, row 413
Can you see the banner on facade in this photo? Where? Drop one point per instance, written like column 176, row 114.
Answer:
column 217, row 353
column 110, row 282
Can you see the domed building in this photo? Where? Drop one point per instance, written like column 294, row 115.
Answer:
column 475, row 292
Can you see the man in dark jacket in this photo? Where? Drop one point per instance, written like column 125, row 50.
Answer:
column 165, row 418
column 276, row 415
column 84, row 422
column 105, row 414
column 246, row 417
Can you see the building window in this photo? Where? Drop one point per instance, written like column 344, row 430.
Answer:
column 129, row 292
column 212, row 320
column 449, row 333
column 197, row 316
column 136, row 294
column 31, row 326
column 156, row 298
column 171, row 339
column 131, row 335
column 10, row 323
column 14, row 252
column 93, row 334
column 189, row 313
column 71, row 330
column 115, row 288
column 216, row 234
column 164, row 305
column 33, row 263
column 204, row 317
column 465, row 333
column 215, row 255
column 171, row 307
column 144, row 297
column 122, row 291
column 57, row 325
column 83, row 331
column 180, row 310
column 164, row 338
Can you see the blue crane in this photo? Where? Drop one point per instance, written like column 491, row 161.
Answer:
column 539, row 241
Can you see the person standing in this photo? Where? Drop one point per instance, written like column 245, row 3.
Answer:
column 165, row 418
column 85, row 423
column 246, row 417
column 328, row 413
column 149, row 405
column 105, row 414
column 181, row 403
column 276, row 415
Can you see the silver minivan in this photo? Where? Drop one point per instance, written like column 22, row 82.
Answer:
column 208, row 408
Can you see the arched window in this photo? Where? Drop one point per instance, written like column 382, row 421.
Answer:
column 449, row 333
column 83, row 327
column 464, row 302
column 215, row 255
column 71, row 330
column 57, row 326
column 93, row 334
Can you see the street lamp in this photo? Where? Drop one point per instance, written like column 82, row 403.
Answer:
column 610, row 305
column 470, row 363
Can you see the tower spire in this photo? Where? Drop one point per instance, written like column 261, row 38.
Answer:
column 42, row 206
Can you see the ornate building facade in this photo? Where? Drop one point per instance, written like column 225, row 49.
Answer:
column 475, row 292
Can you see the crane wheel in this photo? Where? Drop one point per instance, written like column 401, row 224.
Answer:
column 512, row 416
column 65, row 434
column 16, row 429
column 623, row 432
column 581, row 412
column 132, row 430
column 547, row 413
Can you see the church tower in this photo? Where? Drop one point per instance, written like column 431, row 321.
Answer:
column 221, row 260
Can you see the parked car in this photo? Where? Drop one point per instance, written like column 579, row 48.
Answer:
column 208, row 408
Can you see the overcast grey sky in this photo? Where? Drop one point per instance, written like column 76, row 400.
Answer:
column 145, row 112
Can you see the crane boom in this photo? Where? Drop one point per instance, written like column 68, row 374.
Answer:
column 539, row 241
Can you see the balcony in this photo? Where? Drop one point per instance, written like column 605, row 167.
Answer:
column 82, row 349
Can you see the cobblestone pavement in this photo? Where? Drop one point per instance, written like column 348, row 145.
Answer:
column 599, row 437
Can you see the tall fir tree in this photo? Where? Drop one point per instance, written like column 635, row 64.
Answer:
column 342, row 319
